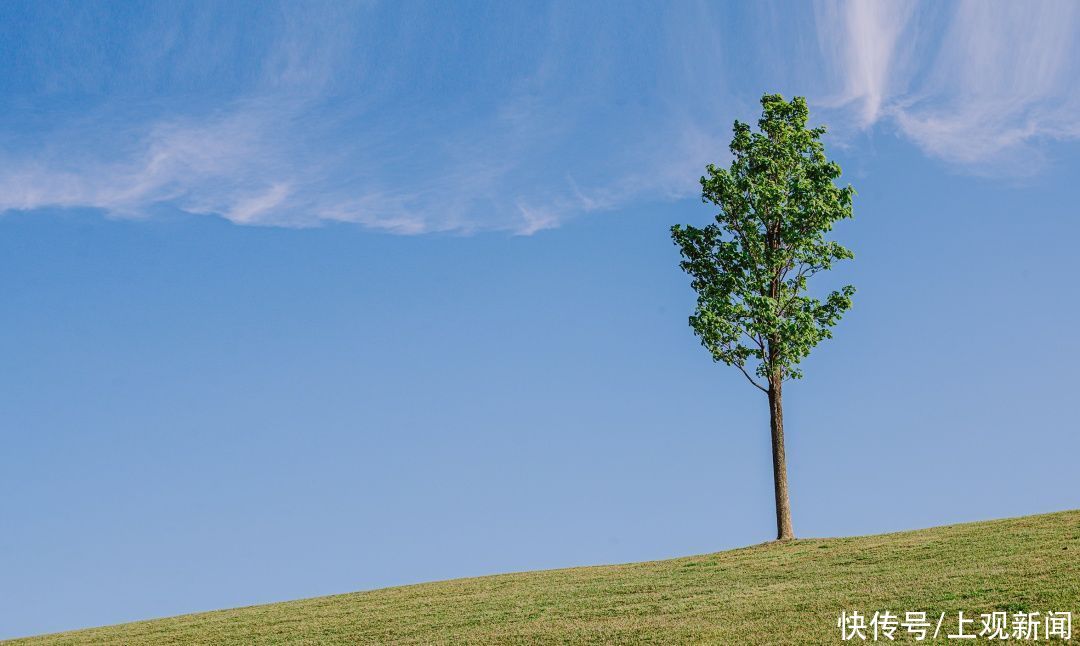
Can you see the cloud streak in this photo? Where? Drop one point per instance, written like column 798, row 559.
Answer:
column 864, row 40
column 421, row 121
column 336, row 125
column 977, row 84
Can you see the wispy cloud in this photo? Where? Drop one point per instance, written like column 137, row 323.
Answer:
column 338, row 123
column 978, row 84
column 506, row 119
column 865, row 43
column 202, row 167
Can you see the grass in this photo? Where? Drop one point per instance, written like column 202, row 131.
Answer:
column 788, row 593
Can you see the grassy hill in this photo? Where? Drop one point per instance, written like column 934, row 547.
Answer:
column 771, row 593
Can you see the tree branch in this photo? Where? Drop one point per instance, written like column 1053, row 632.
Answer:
column 751, row 380
column 756, row 340
column 806, row 271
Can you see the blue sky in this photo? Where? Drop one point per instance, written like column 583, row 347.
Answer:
column 305, row 299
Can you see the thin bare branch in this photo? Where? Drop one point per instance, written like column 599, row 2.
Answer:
column 751, row 380
column 755, row 339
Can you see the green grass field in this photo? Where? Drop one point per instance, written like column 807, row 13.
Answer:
column 773, row 594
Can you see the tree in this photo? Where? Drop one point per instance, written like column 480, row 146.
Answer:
column 751, row 266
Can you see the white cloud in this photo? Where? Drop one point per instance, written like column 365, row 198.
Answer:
column 320, row 135
column 204, row 167
column 975, row 83
column 249, row 209
column 536, row 220
column 865, row 41
column 589, row 113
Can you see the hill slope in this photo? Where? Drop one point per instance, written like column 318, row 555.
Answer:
column 775, row 593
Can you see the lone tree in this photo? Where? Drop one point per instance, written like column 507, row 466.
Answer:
column 750, row 268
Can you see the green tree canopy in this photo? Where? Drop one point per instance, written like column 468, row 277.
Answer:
column 751, row 266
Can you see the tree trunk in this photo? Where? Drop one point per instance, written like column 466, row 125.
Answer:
column 779, row 461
